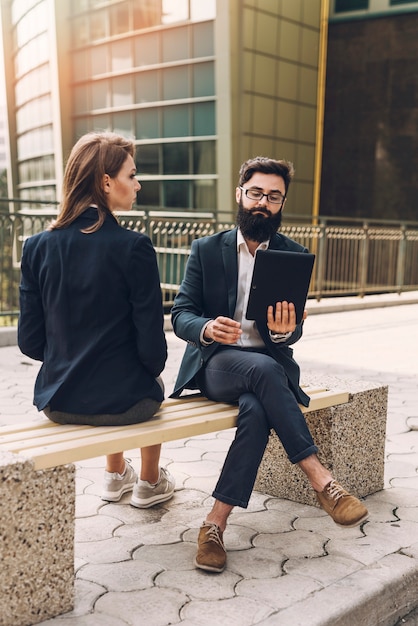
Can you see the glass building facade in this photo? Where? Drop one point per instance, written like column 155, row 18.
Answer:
column 200, row 85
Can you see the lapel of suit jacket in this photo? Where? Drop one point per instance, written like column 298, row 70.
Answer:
column 230, row 261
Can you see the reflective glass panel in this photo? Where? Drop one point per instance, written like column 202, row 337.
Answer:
column 100, row 94
column 203, row 79
column 147, row 87
column 204, row 118
column 147, row 124
column 121, row 55
column 176, row 158
column 146, row 49
column 204, row 157
column 176, row 83
column 176, row 194
column 176, row 121
column 119, row 19
column 99, row 60
column 122, row 91
column 175, row 11
column 149, row 195
column 175, row 44
column 148, row 159
column 204, row 195
column 203, row 44
column 122, row 124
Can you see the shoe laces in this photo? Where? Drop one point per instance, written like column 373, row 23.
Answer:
column 214, row 534
column 335, row 491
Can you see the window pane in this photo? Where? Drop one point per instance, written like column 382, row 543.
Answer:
column 176, row 121
column 102, row 122
column 146, row 14
column 175, row 11
column 341, row 6
column 121, row 55
column 147, row 49
column 202, row 10
column 203, row 40
column 176, row 158
column 99, row 60
column 98, row 25
column 81, row 127
column 122, row 91
column 146, row 87
column 176, row 194
column 147, row 158
column 122, row 124
column 81, row 65
column 204, row 195
column 176, row 83
column 119, row 19
column 175, row 44
column 80, row 31
column 81, row 104
column 100, row 94
column 147, row 124
column 149, row 194
column 204, row 118
column 203, row 79
column 204, row 157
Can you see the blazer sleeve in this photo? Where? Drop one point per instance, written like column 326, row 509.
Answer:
column 31, row 335
column 187, row 313
column 147, row 307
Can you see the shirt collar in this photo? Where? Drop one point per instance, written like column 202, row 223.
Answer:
column 241, row 241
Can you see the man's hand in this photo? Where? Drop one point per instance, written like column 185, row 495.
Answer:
column 282, row 317
column 223, row 330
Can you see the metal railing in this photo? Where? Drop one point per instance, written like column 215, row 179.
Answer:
column 353, row 257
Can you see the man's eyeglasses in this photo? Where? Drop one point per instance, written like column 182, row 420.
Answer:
column 255, row 194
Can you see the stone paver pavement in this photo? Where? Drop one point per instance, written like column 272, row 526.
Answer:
column 288, row 564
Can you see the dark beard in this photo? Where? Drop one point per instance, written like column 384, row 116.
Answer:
column 256, row 227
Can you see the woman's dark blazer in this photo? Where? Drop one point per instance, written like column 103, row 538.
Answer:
column 91, row 311
column 209, row 289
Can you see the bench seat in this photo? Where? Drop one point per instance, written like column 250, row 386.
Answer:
column 50, row 445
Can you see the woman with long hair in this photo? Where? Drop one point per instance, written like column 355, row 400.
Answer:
column 91, row 312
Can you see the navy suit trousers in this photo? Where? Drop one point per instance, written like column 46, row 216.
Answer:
column 259, row 384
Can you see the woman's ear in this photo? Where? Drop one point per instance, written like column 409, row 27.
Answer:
column 106, row 183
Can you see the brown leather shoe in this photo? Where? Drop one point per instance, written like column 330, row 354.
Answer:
column 345, row 509
column 211, row 554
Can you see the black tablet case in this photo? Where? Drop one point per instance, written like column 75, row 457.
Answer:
column 279, row 276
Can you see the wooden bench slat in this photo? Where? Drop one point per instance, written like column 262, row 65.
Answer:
column 76, row 432
column 59, row 453
column 50, row 444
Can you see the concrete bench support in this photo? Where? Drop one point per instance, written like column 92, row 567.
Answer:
column 351, row 441
column 37, row 541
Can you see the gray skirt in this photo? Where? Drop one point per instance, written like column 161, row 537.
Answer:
column 139, row 412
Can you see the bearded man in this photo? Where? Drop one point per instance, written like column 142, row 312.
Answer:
column 232, row 359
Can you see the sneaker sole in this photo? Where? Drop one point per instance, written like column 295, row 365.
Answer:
column 146, row 504
column 209, row 568
column 115, row 496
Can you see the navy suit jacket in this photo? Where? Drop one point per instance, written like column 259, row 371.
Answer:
column 91, row 311
column 209, row 289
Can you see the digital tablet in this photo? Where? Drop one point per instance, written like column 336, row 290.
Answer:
column 279, row 276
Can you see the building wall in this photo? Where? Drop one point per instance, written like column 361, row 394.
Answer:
column 276, row 105
column 201, row 86
column 371, row 118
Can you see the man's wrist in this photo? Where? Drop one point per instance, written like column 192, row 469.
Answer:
column 279, row 337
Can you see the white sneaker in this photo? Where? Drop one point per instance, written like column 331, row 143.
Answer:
column 145, row 495
column 115, row 484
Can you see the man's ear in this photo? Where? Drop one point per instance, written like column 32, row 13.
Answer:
column 106, row 183
column 238, row 193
